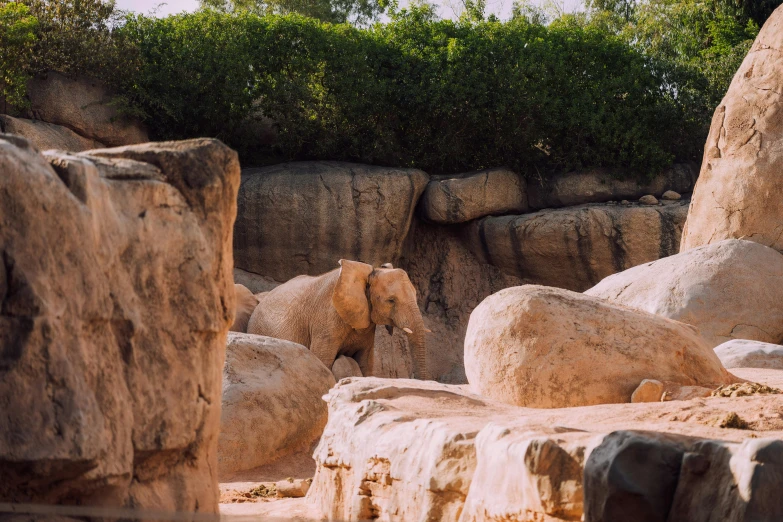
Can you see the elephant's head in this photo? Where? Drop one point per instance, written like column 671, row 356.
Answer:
column 383, row 296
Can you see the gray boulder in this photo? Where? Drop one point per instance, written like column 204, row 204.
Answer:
column 740, row 353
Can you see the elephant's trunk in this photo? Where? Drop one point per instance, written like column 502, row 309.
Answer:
column 417, row 342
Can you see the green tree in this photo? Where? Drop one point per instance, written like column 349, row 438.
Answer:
column 335, row 11
column 17, row 38
column 80, row 37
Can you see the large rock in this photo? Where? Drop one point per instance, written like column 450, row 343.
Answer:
column 456, row 199
column 576, row 247
column 412, row 450
column 750, row 354
column 600, row 186
column 738, row 192
column 728, row 290
column 550, row 348
column 45, row 136
column 116, row 293
column 272, row 403
column 84, row 106
column 301, row 218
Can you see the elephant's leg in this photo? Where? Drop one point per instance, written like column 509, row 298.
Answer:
column 325, row 348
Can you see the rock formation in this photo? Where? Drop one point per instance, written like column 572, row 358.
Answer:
column 600, row 186
column 550, row 348
column 457, row 199
column 84, row 106
column 300, row 218
column 45, row 136
column 738, row 192
column 728, row 290
column 750, row 354
column 412, row 450
column 271, row 401
column 577, row 247
column 116, row 296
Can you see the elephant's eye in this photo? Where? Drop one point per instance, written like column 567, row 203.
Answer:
column 391, row 300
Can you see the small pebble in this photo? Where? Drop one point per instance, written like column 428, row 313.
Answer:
column 649, row 199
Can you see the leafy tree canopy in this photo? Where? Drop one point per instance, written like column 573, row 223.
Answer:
column 335, row 11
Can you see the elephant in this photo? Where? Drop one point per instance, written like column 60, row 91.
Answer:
column 246, row 302
column 335, row 314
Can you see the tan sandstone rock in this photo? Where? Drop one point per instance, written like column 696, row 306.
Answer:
column 649, row 199
column 116, row 294
column 599, row 186
column 45, row 136
column 300, row 218
column 728, row 290
column 649, row 390
column 246, row 303
column 345, row 367
column 550, row 348
column 456, row 199
column 738, row 192
column 577, row 247
column 413, row 450
column 740, row 353
column 272, row 403
column 84, row 106
column 671, row 195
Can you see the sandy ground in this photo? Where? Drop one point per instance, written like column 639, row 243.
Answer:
column 765, row 413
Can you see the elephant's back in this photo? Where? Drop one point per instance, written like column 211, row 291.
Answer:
column 281, row 312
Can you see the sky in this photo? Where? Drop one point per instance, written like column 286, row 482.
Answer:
column 502, row 8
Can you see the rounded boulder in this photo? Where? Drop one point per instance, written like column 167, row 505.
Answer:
column 545, row 347
column 272, row 402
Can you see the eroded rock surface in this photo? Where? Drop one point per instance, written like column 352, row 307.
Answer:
column 412, row 450
column 546, row 347
column 457, row 199
column 301, row 218
column 728, row 290
column 116, row 293
column 577, row 247
column 272, row 403
column 738, row 192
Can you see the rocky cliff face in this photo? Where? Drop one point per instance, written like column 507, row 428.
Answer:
column 300, row 218
column 116, row 295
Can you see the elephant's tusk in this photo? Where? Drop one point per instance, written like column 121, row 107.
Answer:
column 428, row 330
column 407, row 330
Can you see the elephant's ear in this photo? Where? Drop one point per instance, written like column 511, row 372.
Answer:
column 350, row 294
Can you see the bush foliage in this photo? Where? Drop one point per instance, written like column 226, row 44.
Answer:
column 539, row 95
column 440, row 95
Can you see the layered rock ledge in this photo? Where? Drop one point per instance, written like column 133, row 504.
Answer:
column 411, row 450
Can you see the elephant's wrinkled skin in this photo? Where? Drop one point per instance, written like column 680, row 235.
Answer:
column 336, row 313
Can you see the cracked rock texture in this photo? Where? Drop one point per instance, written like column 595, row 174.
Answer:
column 740, row 353
column 545, row 347
column 272, row 402
column 738, row 192
column 116, row 294
column 413, row 450
column 302, row 217
column 577, row 247
column 728, row 290
column 460, row 198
